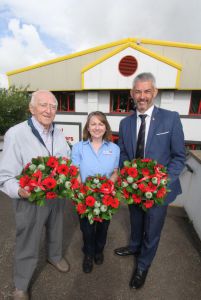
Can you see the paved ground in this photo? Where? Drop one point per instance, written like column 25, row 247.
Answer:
column 175, row 273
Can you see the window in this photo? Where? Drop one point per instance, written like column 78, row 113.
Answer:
column 66, row 101
column 195, row 106
column 121, row 102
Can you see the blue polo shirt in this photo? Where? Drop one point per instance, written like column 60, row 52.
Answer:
column 91, row 163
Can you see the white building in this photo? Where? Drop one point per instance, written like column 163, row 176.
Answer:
column 100, row 78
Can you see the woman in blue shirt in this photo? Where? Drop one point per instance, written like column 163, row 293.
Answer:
column 95, row 155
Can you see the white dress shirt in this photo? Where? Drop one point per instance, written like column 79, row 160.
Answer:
column 147, row 120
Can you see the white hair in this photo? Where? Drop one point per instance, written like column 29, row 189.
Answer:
column 34, row 96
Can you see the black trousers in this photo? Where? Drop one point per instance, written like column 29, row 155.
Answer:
column 94, row 236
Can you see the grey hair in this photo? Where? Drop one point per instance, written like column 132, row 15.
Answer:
column 145, row 77
column 34, row 96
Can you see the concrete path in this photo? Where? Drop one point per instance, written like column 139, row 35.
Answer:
column 175, row 273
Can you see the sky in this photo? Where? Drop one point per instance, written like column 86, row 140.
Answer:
column 39, row 30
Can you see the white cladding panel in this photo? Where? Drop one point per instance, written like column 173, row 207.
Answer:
column 176, row 101
column 191, row 193
column 92, row 101
column 191, row 129
column 81, row 101
column 104, row 101
column 106, row 75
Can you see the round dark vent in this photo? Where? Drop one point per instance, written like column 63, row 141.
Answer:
column 128, row 65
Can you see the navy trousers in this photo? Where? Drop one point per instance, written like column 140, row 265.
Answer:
column 146, row 230
column 94, row 236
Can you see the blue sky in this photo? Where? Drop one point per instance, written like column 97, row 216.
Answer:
column 35, row 31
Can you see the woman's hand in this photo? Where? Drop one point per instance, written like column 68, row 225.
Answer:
column 114, row 175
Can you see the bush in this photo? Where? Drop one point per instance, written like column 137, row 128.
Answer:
column 13, row 107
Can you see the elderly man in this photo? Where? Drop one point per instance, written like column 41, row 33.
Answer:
column 36, row 137
column 155, row 133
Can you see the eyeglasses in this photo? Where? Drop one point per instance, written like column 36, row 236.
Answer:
column 46, row 106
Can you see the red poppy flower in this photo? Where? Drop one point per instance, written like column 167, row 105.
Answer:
column 125, row 193
column 51, row 195
column 146, row 160
column 74, row 183
column 136, row 199
column 63, row 169
column 90, row 200
column 49, row 183
column 38, row 174
column 145, row 172
column 107, row 187
column 161, row 193
column 148, row 203
column 123, row 170
column 142, row 187
column 24, row 181
column 33, row 183
column 133, row 172
column 114, row 202
column 152, row 187
column 97, row 219
column 52, row 162
column 83, row 189
column 107, row 200
column 81, row 208
column 73, row 170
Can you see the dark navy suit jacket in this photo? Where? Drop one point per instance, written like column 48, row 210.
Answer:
column 165, row 143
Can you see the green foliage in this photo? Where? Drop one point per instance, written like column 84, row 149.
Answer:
column 13, row 107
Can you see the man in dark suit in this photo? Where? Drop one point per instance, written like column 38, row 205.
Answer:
column 163, row 142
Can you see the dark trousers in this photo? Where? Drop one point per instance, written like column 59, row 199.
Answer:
column 94, row 236
column 146, row 230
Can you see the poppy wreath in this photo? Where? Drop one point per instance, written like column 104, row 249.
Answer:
column 49, row 178
column 143, row 182
column 96, row 199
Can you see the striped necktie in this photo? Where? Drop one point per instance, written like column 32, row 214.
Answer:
column 141, row 138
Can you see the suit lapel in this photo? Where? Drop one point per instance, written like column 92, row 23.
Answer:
column 133, row 124
column 154, row 123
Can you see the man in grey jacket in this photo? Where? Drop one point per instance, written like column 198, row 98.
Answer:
column 36, row 137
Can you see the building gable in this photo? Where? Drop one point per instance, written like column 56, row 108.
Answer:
column 104, row 73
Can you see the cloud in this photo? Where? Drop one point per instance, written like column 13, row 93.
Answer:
column 22, row 47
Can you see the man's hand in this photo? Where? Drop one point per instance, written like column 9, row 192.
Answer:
column 23, row 193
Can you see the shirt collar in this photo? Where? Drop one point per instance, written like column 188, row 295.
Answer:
column 41, row 129
column 148, row 112
column 89, row 142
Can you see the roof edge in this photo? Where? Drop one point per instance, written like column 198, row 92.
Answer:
column 138, row 41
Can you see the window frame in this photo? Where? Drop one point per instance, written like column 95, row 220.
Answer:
column 198, row 112
column 118, row 94
column 68, row 97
